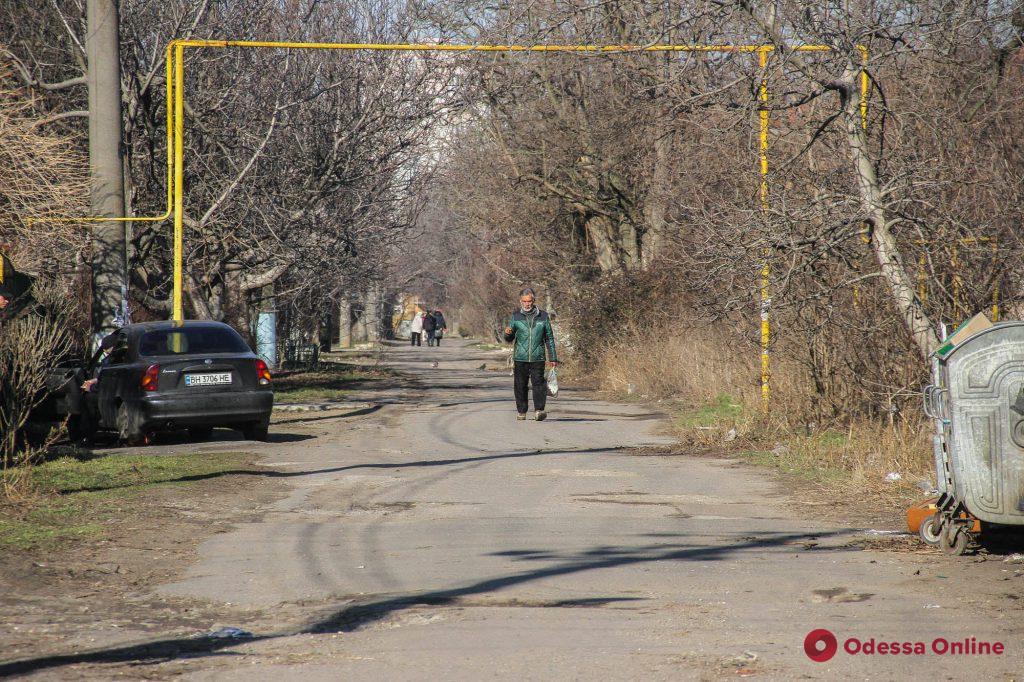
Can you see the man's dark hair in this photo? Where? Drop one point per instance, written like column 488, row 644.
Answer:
column 527, row 292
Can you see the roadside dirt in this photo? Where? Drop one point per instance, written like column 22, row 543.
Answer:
column 993, row 570
column 82, row 595
column 883, row 517
column 808, row 498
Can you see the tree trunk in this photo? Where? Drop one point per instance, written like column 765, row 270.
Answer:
column 883, row 242
column 312, row 333
column 360, row 331
column 200, row 306
column 107, row 172
column 236, row 309
column 656, row 202
column 372, row 313
column 629, row 243
column 599, row 229
column 344, row 324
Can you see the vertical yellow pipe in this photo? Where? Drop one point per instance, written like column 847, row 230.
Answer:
column 179, row 177
column 762, row 56
column 169, row 81
column 865, row 86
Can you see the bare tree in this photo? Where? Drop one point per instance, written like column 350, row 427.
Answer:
column 40, row 173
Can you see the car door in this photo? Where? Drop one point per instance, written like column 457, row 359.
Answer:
column 112, row 373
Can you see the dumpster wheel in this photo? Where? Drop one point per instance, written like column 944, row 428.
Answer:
column 954, row 538
column 930, row 530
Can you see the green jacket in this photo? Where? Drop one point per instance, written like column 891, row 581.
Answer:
column 533, row 336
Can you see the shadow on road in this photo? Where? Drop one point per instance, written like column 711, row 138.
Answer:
column 339, row 415
column 107, row 444
column 371, row 465
column 355, row 616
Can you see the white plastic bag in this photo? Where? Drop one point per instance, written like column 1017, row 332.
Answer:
column 552, row 382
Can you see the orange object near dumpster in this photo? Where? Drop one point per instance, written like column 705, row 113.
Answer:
column 919, row 512
column 922, row 510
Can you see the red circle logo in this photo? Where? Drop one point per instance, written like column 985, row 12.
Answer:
column 820, row 645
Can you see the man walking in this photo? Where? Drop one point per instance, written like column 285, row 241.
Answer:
column 429, row 327
column 530, row 330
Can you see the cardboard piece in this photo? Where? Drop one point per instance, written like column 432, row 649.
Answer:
column 975, row 325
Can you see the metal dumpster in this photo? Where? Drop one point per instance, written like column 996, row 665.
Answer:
column 977, row 402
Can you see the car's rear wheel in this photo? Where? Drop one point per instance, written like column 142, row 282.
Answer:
column 129, row 426
column 200, row 432
column 256, row 430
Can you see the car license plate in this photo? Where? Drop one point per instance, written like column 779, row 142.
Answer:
column 208, row 379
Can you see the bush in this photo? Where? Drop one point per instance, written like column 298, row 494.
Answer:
column 618, row 309
column 29, row 345
column 42, row 172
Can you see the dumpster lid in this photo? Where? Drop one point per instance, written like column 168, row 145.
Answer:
column 975, row 325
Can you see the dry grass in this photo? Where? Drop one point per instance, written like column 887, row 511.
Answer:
column 712, row 387
column 16, row 483
column 709, row 373
column 856, row 462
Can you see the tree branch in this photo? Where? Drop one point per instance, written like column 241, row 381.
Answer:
column 77, row 113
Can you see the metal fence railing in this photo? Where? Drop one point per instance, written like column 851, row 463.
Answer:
column 301, row 356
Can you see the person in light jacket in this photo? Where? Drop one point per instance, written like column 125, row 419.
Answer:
column 416, row 330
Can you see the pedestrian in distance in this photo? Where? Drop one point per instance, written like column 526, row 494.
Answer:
column 530, row 332
column 441, row 327
column 416, row 330
column 429, row 327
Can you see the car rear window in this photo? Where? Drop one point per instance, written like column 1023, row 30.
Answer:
column 197, row 340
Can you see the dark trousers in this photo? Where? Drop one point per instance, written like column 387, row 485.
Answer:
column 430, row 338
column 530, row 373
column 415, row 338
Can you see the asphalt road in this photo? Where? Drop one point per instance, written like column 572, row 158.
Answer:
column 439, row 538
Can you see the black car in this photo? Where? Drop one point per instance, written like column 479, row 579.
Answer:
column 166, row 375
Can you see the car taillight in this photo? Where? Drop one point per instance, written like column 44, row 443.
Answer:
column 149, row 379
column 262, row 372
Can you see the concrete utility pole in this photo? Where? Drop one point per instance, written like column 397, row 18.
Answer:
column 344, row 323
column 109, row 265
